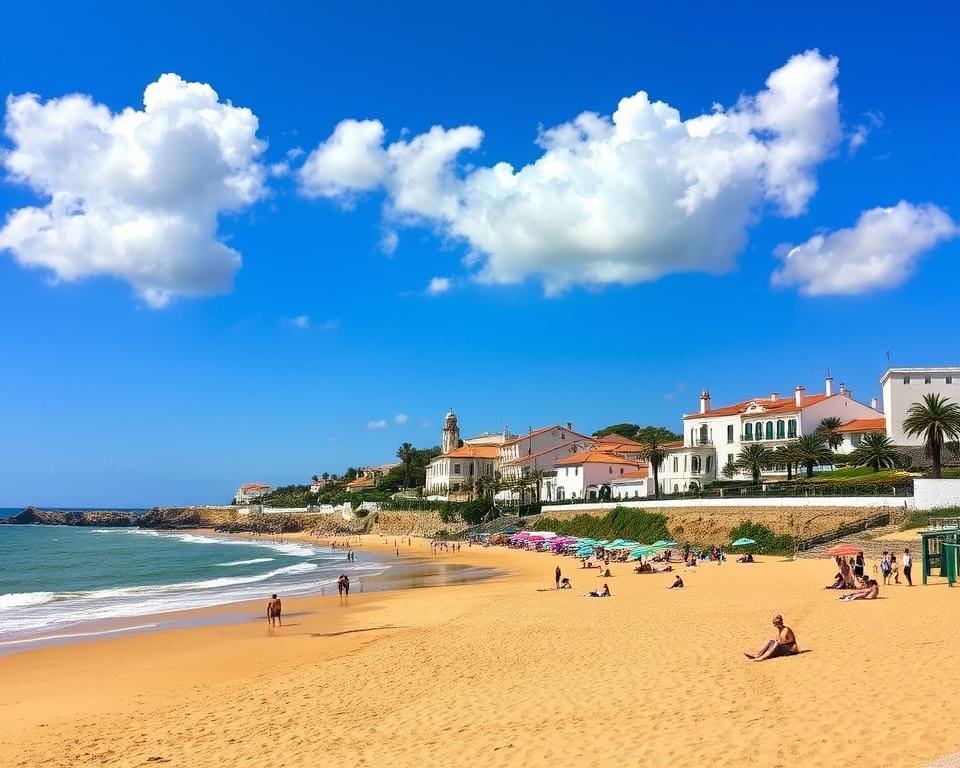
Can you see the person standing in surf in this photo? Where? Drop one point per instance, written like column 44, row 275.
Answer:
column 273, row 612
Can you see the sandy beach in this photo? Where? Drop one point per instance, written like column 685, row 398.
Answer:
column 509, row 672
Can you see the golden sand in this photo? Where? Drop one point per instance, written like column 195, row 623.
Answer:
column 510, row 672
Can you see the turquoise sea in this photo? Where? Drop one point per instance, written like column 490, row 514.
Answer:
column 58, row 581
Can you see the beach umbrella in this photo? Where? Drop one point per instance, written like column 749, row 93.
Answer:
column 742, row 542
column 843, row 549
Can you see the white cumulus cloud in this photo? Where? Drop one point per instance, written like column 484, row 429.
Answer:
column 623, row 198
column 351, row 160
column 377, row 424
column 880, row 251
column 438, row 285
column 133, row 195
column 300, row 321
column 401, row 418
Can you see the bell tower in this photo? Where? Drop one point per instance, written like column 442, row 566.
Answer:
column 451, row 432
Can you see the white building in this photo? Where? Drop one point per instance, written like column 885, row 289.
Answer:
column 585, row 475
column 250, row 492
column 902, row 387
column 463, row 462
column 369, row 477
column 636, row 484
column 459, row 469
column 538, row 450
column 853, row 432
column 714, row 437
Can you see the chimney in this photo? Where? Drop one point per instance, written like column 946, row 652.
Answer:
column 844, row 391
column 873, row 403
column 569, row 426
column 705, row 401
column 798, row 394
column 774, row 396
column 828, row 385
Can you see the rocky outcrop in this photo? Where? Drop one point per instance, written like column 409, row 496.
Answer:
column 95, row 518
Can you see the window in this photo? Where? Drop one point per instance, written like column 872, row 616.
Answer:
column 708, row 463
column 621, row 470
column 729, row 433
column 695, row 464
column 566, row 471
column 576, row 471
column 758, row 430
column 748, row 431
column 926, row 379
column 471, row 469
column 906, row 379
column 610, row 470
column 636, row 494
column 676, row 465
column 456, row 469
column 781, row 426
column 769, row 434
column 792, row 428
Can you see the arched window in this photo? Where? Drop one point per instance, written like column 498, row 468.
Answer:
column 758, row 430
column 694, row 463
column 792, row 428
column 748, row 431
column 780, row 429
column 769, row 434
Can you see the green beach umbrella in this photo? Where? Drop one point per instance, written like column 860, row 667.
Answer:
column 743, row 542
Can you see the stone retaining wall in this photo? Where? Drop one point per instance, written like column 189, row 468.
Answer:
column 426, row 524
column 712, row 525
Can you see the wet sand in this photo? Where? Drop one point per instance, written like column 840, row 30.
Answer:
column 509, row 672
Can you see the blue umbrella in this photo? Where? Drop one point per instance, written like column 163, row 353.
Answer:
column 743, row 542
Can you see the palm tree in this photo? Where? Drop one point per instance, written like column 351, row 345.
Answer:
column 829, row 430
column 325, row 476
column 786, row 454
column 937, row 421
column 811, row 450
column 654, row 452
column 535, row 478
column 405, row 454
column 754, row 459
column 877, row 451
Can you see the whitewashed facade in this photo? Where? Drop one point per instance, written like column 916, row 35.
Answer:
column 902, row 387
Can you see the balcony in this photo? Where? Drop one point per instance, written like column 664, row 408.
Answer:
column 703, row 441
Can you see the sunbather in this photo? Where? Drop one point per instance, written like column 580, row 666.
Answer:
column 605, row 592
column 677, row 583
column 837, row 582
column 870, row 592
column 785, row 643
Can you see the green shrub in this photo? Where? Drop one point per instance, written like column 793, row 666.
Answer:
column 768, row 542
column 920, row 518
column 618, row 523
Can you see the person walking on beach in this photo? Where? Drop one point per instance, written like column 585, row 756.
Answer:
column 273, row 611
column 557, row 576
column 340, row 584
column 907, row 565
column 346, row 585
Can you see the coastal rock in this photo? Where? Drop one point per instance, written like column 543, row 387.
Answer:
column 95, row 518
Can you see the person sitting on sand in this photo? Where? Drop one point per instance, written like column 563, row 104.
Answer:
column 604, row 574
column 785, row 643
column 605, row 592
column 565, row 583
column 273, row 611
column 870, row 592
column 677, row 583
column 837, row 582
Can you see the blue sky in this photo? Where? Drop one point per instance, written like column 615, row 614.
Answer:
column 109, row 398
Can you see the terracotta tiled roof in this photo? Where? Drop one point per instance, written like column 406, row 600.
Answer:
column 596, row 457
column 865, row 425
column 473, row 452
column 542, row 430
column 779, row 405
column 552, row 449
column 627, row 477
column 252, row 486
column 614, row 439
column 362, row 482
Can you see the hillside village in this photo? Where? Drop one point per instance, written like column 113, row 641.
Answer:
column 767, row 437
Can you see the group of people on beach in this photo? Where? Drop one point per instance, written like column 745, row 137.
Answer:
column 852, row 575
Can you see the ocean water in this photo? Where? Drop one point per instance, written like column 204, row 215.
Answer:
column 56, row 580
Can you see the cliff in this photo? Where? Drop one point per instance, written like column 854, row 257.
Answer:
column 96, row 518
